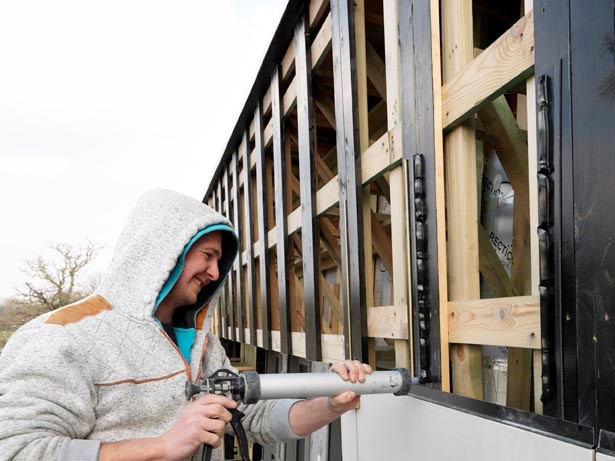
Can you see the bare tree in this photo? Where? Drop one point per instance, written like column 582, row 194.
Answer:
column 54, row 283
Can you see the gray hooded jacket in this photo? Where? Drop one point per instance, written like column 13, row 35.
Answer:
column 102, row 369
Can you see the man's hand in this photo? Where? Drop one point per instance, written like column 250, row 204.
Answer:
column 201, row 422
column 307, row 416
column 353, row 371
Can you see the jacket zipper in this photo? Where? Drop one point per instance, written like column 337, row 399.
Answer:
column 186, row 364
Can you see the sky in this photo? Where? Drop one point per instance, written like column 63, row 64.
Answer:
column 103, row 100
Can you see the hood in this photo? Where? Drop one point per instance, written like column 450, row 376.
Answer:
column 151, row 248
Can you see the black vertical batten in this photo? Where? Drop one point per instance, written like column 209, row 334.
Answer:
column 416, row 87
column 261, row 200
column 545, row 234
column 350, row 181
column 309, row 221
column 214, row 206
column 592, row 69
column 558, row 321
column 279, row 170
column 232, row 301
column 248, row 224
column 222, row 304
column 239, row 300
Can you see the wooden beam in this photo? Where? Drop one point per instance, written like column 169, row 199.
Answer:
column 519, row 378
column 400, row 275
column 462, row 219
column 330, row 296
column 440, row 193
column 499, row 121
column 504, row 64
column 332, row 347
column 387, row 322
column 330, row 241
column 378, row 120
column 309, row 220
column 363, row 127
column 323, row 170
column 325, row 104
column 382, row 243
column 299, row 296
column 512, row 322
column 281, row 204
column 376, row 70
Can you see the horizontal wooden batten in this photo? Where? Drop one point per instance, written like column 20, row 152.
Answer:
column 512, row 322
column 387, row 322
column 504, row 64
column 332, row 345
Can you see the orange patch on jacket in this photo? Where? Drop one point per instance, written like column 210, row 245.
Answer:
column 200, row 318
column 77, row 312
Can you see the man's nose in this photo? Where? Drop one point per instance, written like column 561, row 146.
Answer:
column 213, row 271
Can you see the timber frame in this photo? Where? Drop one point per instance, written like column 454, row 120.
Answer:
column 358, row 158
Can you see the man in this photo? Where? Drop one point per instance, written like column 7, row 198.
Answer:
column 103, row 379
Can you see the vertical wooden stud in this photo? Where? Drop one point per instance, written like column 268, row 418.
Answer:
column 440, row 194
column 396, row 180
column 363, row 126
column 462, row 218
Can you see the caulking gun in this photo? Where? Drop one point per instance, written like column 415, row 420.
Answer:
column 250, row 387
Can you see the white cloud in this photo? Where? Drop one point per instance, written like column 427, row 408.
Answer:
column 100, row 101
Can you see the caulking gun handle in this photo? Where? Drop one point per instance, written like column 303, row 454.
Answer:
column 207, row 450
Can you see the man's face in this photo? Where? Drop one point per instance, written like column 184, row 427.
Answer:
column 200, row 268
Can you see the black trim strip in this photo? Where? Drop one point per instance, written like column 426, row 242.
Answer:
column 279, row 185
column 418, row 149
column 222, row 306
column 249, row 223
column 307, row 184
column 545, row 237
column 239, row 301
column 230, row 277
